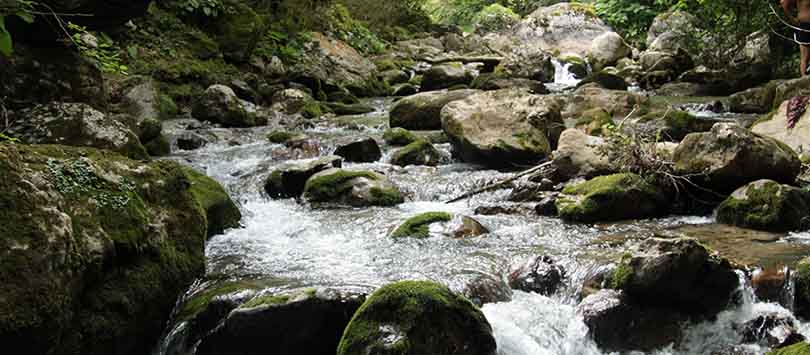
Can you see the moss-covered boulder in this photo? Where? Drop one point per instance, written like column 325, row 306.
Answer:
column 360, row 151
column 349, row 109
column 680, row 274
column 238, row 30
column 766, row 205
column 420, row 152
column 423, row 111
column 219, row 104
column 674, row 125
column 289, row 179
column 329, row 64
column 417, row 317
column 419, row 225
column 220, row 211
column 801, row 348
column 95, row 249
column 353, row 188
column 302, row 321
column 730, row 156
column 77, row 125
column 612, row 198
column 399, row 136
column 503, row 128
column 281, row 137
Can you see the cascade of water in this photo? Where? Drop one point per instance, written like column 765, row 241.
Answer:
column 562, row 74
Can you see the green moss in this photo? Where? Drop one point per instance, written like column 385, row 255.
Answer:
column 199, row 302
column 280, row 137
column 159, row 147
column 594, row 120
column 767, row 206
column 221, row 212
column 326, row 187
column 611, row 197
column 312, row 109
column 418, row 226
column 622, row 274
column 167, row 107
column 801, row 348
column 398, row 136
column 420, row 152
column 386, row 197
column 416, row 310
column 238, row 31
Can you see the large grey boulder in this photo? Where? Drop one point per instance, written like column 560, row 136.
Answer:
column 77, row 125
column 580, row 155
column 607, row 49
column 776, row 127
column 219, row 104
column 754, row 100
column 446, row 75
column 503, row 127
column 565, row 28
column 423, row 111
column 730, row 156
column 618, row 103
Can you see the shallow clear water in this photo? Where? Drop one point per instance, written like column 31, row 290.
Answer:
column 349, row 247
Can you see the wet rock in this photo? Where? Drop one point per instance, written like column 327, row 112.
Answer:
column 406, row 89
column 503, row 127
column 437, row 322
column 775, row 126
column 220, row 210
column 420, row 152
column 399, row 136
column 606, row 49
column 106, row 245
column 352, row 188
column 731, row 156
column 304, row 147
column 680, row 274
column 580, row 155
column 343, row 97
column 617, row 324
column 219, row 104
column 773, row 330
column 419, row 226
column 673, row 125
column 353, row 109
column 291, row 101
column 539, row 274
column 423, row 111
column 547, row 206
column 300, row 321
column 587, row 97
column 77, row 125
column 487, row 289
column 766, row 205
column 491, row 81
column 289, row 179
column 771, row 285
column 362, row 151
column 612, row 198
column 605, row 80
column 446, row 75
column 190, row 141
column 596, row 279
column 282, row 137
column 507, row 209
column 788, row 89
column 467, row 227
column 395, row 76
column 529, row 191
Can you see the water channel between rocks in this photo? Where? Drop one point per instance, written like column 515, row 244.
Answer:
column 296, row 245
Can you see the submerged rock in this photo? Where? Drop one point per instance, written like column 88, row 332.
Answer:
column 289, row 179
column 361, row 151
column 304, row 321
column 420, row 152
column 423, row 111
column 539, row 274
column 352, row 187
column 730, row 156
column 417, row 317
column 611, row 198
column 77, row 125
column 503, row 127
column 105, row 244
column 766, row 205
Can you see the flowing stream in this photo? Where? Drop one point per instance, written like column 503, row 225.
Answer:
column 349, row 248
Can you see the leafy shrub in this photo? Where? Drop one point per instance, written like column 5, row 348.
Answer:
column 22, row 9
column 207, row 8
column 495, row 17
column 100, row 49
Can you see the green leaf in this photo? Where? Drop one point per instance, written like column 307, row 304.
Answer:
column 5, row 38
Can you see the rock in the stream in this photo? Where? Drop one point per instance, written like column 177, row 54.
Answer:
column 790, row 88
column 349, row 109
column 96, row 248
column 606, row 49
column 219, row 104
column 423, row 111
column 417, row 317
column 579, row 155
column 395, row 76
column 529, row 63
column 503, row 127
column 492, row 81
column 420, row 152
column 616, row 102
column 353, row 188
column 362, row 151
column 539, row 274
column 446, row 75
column 399, row 136
column 800, row 348
column 680, row 274
column 487, row 289
column 303, row 321
column 77, row 125
column 754, row 100
column 220, row 210
column 615, row 323
column 773, row 285
column 605, row 80
column 731, row 156
column 673, row 125
column 802, row 294
column 766, row 205
column 774, row 330
column 190, row 141
column 419, row 226
column 289, row 179
column 406, row 89
column 775, row 126
column 612, row 198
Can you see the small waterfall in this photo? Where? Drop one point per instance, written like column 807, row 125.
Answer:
column 563, row 78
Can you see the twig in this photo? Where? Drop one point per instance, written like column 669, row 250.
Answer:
column 496, row 185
